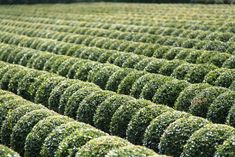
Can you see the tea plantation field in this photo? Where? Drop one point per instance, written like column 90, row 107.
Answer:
column 117, row 80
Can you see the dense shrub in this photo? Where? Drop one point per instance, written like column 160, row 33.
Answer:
column 186, row 96
column 83, row 71
column 204, row 141
column 99, row 147
column 225, row 79
column 57, row 92
column 219, row 109
column 44, row 90
column 157, row 127
column 12, row 118
column 76, row 98
column 7, row 152
column 227, row 148
column 231, row 116
column 141, row 120
column 25, row 83
column 169, row 92
column 181, row 71
column 126, row 84
column 212, row 76
column 123, row 116
column 229, row 63
column 152, row 86
column 24, row 126
column 130, row 150
column 177, row 134
column 198, row 72
column 154, row 66
column 102, row 75
column 116, row 78
column 51, row 143
column 202, row 101
column 39, row 132
column 73, row 70
column 71, row 144
column 69, row 92
column 64, row 68
column 168, row 67
column 88, row 106
column 106, row 110
column 5, row 79
column 139, row 85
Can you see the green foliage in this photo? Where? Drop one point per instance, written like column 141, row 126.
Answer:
column 204, row 141
column 88, row 106
column 141, row 120
column 219, row 109
column 72, row 143
column 186, row 96
column 51, row 143
column 131, row 151
column 12, row 118
column 169, row 92
column 157, row 127
column 99, row 147
column 40, row 131
column 123, row 115
column 7, row 152
column 24, row 126
column 202, row 101
column 177, row 133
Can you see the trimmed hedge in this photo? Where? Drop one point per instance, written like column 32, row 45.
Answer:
column 204, row 141
column 169, row 92
column 219, row 109
column 106, row 110
column 99, row 147
column 123, row 115
column 40, row 131
column 88, row 106
column 177, row 134
column 202, row 101
column 76, row 98
column 130, row 150
column 227, row 148
column 24, row 126
column 70, row 145
column 12, row 118
column 157, row 127
column 7, row 152
column 141, row 120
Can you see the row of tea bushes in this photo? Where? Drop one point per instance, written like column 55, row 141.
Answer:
column 32, row 130
column 193, row 73
column 146, row 24
column 169, row 53
column 138, row 38
column 141, row 50
column 125, row 45
column 103, row 29
column 137, row 120
column 199, row 99
column 7, row 152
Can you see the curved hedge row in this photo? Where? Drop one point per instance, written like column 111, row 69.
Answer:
column 120, row 31
column 139, row 128
column 38, row 131
column 7, row 152
column 46, row 133
column 139, row 84
column 101, row 45
column 109, row 36
column 197, row 73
